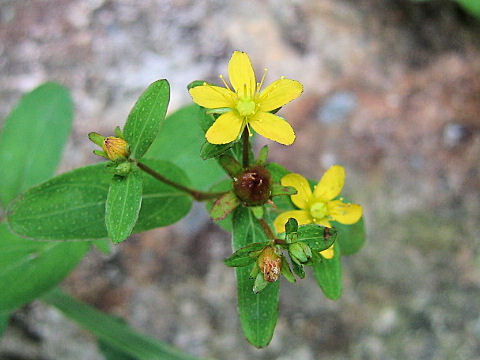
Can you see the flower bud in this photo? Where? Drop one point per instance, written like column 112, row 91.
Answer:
column 252, row 186
column 297, row 252
column 270, row 264
column 115, row 148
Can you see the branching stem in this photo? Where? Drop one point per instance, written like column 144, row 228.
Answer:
column 267, row 229
column 196, row 194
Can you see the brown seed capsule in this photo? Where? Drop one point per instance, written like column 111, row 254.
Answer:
column 252, row 186
column 270, row 264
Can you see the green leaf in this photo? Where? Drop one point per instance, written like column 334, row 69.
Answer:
column 123, row 205
column 179, row 142
column 3, row 323
column 224, row 205
column 350, row 237
column 33, row 138
column 72, row 206
column 109, row 330
column 258, row 312
column 208, row 151
column 30, row 268
column 242, row 256
column 317, row 237
column 146, row 117
column 472, row 6
column 328, row 273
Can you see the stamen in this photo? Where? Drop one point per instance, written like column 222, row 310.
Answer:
column 248, row 128
column 224, row 82
column 265, row 71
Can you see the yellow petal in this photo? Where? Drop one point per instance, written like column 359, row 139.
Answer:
column 213, row 97
column 304, row 193
column 344, row 213
column 225, row 129
column 302, row 217
column 323, row 222
column 279, row 93
column 328, row 253
column 241, row 75
column 273, row 127
column 330, row 184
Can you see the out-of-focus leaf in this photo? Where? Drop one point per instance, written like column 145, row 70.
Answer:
column 350, row 237
column 33, row 138
column 110, row 331
column 146, row 117
column 258, row 312
column 30, row 268
column 472, row 6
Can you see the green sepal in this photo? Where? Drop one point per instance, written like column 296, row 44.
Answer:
column 262, row 156
column 243, row 256
column 279, row 190
column 101, row 153
column 286, row 271
column 224, row 205
column 295, row 251
column 298, row 268
column 291, row 226
column 260, row 283
column 255, row 270
column 328, row 273
column 231, row 166
column 119, row 132
column 218, row 111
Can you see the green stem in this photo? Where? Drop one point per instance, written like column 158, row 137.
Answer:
column 267, row 229
column 245, row 138
column 196, row 194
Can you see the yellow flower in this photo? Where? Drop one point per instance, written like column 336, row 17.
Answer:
column 246, row 105
column 318, row 206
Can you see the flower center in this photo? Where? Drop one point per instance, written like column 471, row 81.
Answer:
column 318, row 210
column 246, row 106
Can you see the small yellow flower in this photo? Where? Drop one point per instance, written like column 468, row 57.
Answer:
column 246, row 104
column 318, row 206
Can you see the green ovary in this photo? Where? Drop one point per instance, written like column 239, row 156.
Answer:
column 318, row 210
column 246, row 106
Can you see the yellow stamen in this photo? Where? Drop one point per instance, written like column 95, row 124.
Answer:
column 224, row 82
column 260, row 84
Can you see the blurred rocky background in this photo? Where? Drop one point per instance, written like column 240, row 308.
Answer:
column 392, row 92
